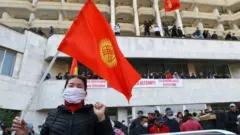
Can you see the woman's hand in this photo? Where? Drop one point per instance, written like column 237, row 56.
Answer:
column 20, row 126
column 99, row 110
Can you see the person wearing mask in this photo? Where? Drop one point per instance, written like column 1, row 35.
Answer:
column 142, row 128
column 159, row 127
column 59, row 76
column 190, row 124
column 228, row 36
column 136, row 121
column 182, row 76
column 179, row 118
column 195, row 117
column 234, row 37
column 179, row 32
column 74, row 117
column 231, row 119
column 165, row 116
column 151, row 119
column 171, row 122
column 214, row 35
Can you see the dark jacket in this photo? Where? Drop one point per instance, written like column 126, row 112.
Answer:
column 172, row 125
column 139, row 130
column 231, row 120
column 81, row 122
column 214, row 36
column 134, row 123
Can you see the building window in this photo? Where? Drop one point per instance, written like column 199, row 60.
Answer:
column 7, row 61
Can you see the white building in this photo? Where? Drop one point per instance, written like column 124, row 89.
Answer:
column 24, row 56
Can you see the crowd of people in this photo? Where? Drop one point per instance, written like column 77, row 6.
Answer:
column 182, row 75
column 40, row 32
column 206, row 35
column 176, row 32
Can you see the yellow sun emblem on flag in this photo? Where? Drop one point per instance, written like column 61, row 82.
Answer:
column 107, row 53
column 169, row 3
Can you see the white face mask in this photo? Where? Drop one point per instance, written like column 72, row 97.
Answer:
column 74, row 95
column 170, row 117
column 145, row 125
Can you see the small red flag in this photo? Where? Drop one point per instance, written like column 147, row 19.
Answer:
column 91, row 41
column 74, row 67
column 171, row 5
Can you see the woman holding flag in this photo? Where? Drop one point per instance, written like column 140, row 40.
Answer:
column 74, row 117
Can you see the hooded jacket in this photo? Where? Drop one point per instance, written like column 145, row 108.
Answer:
column 81, row 122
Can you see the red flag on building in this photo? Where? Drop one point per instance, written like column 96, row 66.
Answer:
column 74, row 67
column 91, row 41
column 171, row 5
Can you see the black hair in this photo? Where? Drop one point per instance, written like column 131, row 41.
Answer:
column 140, row 111
column 142, row 118
column 84, row 79
column 194, row 114
column 186, row 111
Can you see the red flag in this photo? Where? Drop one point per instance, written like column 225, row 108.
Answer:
column 90, row 40
column 171, row 5
column 74, row 67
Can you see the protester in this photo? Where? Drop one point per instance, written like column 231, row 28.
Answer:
column 234, row 37
column 51, row 31
column 147, row 27
column 228, row 36
column 174, row 31
column 157, row 30
column 117, row 29
column 159, row 127
column 136, row 121
column 168, row 75
column 179, row 32
column 165, row 117
column 193, row 76
column 190, row 124
column 195, row 117
column 198, row 33
column 214, row 35
column 141, row 128
column 171, row 123
column 74, row 117
column 231, row 120
column 157, row 114
column 176, row 76
column 166, row 30
column 151, row 119
column 185, row 117
column 179, row 118
column 59, row 76
column 201, row 76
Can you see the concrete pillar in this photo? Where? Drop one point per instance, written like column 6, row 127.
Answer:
column 179, row 21
column 112, row 13
column 215, row 11
column 235, row 27
column 136, row 19
column 200, row 25
column 60, row 17
column 184, row 107
column 134, row 113
column 34, row 2
column 5, row 15
column 122, row 115
column 195, row 9
column 158, row 18
column 220, row 27
column 229, row 11
column 32, row 17
column 191, row 68
column 62, row 1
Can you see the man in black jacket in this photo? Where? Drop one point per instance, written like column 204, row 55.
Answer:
column 231, row 119
column 141, row 128
column 136, row 121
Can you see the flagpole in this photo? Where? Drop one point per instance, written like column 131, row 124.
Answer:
column 35, row 92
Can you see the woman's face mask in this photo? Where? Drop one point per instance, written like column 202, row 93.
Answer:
column 74, row 95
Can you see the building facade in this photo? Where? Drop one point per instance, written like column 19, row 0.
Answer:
column 25, row 55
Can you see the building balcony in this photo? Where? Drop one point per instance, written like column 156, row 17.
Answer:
column 146, row 14
column 191, row 30
column 150, row 47
column 124, row 14
column 48, row 10
column 127, row 29
column 195, row 91
column 230, row 18
column 18, row 24
column 199, row 15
